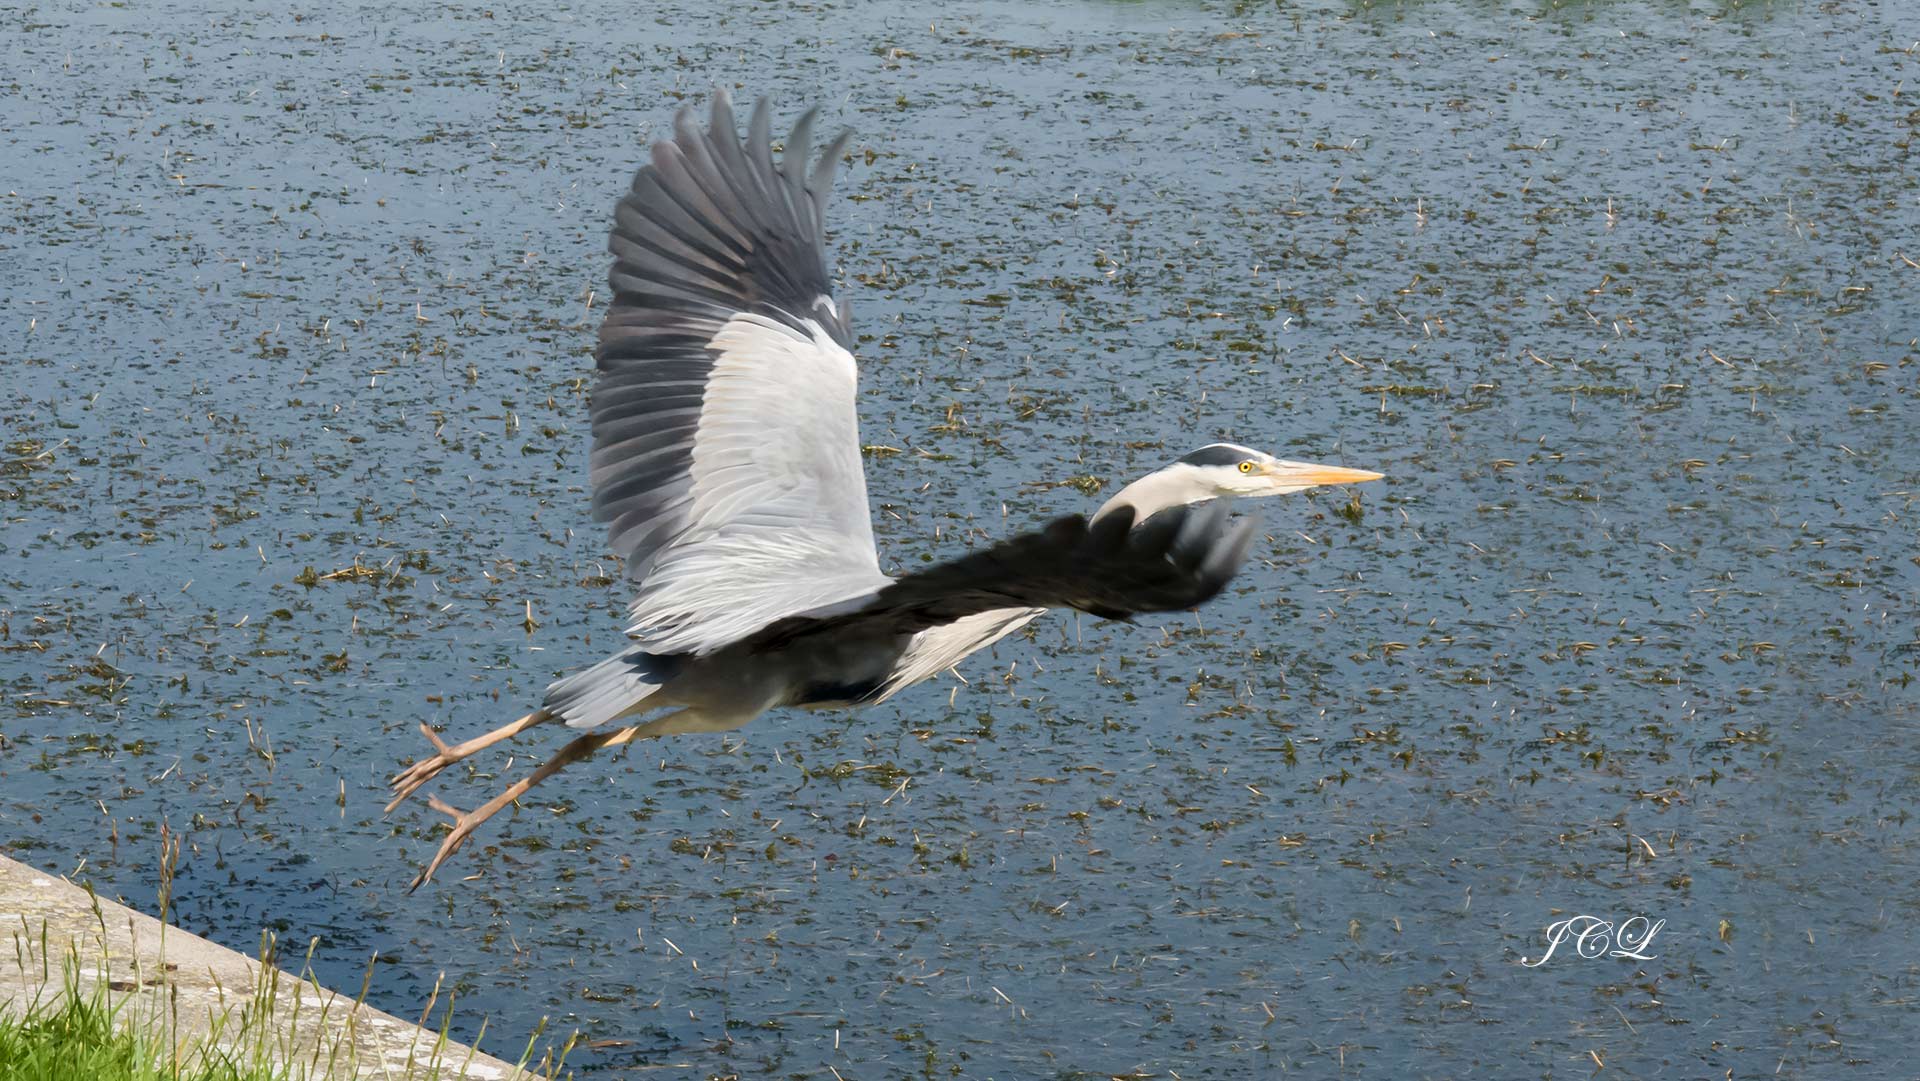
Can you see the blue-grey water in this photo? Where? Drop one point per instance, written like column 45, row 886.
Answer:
column 296, row 311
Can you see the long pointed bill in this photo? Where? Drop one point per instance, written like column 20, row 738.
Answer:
column 1295, row 476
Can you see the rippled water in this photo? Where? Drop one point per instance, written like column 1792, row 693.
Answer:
column 296, row 313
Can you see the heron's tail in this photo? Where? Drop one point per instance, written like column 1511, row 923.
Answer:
column 593, row 696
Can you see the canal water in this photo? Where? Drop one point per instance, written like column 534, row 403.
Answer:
column 296, row 315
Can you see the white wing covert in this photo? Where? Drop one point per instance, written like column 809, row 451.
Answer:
column 726, row 450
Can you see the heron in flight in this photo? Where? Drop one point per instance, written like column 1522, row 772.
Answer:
column 726, row 458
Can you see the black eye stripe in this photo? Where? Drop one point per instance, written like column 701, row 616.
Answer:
column 1218, row 454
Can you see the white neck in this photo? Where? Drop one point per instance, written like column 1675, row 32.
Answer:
column 1164, row 489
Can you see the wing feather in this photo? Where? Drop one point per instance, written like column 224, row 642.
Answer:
column 1177, row 559
column 937, row 649
column 726, row 453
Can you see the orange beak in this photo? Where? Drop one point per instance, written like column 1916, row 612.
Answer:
column 1308, row 475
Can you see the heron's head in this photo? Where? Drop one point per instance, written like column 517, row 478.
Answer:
column 1226, row 469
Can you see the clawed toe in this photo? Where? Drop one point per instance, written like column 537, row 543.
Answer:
column 463, row 825
column 465, row 822
column 408, row 781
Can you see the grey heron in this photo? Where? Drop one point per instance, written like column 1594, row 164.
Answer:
column 726, row 458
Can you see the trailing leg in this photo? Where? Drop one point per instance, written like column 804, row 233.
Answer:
column 408, row 781
column 464, row 823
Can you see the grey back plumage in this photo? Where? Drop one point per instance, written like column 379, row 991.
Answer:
column 725, row 439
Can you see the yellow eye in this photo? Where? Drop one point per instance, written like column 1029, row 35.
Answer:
column 1246, row 467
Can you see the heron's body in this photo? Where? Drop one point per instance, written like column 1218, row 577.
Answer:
column 733, row 684
column 726, row 460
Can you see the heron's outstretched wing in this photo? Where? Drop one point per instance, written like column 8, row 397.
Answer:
column 726, row 449
column 1175, row 560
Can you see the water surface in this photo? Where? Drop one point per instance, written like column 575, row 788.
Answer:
column 296, row 310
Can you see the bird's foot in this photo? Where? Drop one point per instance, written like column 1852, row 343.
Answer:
column 464, row 823
column 408, row 781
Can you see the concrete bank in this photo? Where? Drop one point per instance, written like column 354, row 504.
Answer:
column 188, row 988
